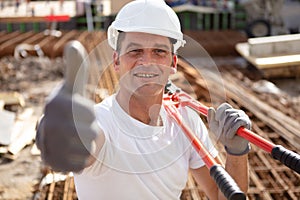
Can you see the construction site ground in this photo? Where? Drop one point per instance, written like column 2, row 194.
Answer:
column 275, row 115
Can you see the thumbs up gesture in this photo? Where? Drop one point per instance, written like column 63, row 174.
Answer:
column 66, row 134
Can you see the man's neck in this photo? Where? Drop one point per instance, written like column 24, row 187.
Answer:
column 142, row 108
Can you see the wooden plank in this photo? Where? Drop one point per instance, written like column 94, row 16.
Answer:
column 2, row 103
column 193, row 8
column 72, row 189
column 69, row 188
column 267, row 62
column 51, row 190
column 59, row 45
column 8, row 46
column 7, row 120
column 47, row 44
column 24, row 131
column 12, row 98
column 274, row 45
column 281, row 72
column 35, row 38
column 2, row 34
column 259, row 186
column 16, row 40
column 270, row 61
column 22, row 19
column 9, row 36
column 26, row 137
column 277, row 179
column 191, row 184
column 66, row 189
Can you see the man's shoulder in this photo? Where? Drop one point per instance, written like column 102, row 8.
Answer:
column 187, row 111
column 106, row 102
column 104, row 107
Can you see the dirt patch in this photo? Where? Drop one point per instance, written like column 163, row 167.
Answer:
column 33, row 78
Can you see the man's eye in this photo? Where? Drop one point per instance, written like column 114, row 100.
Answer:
column 135, row 51
column 161, row 52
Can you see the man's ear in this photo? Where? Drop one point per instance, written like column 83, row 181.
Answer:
column 174, row 64
column 116, row 60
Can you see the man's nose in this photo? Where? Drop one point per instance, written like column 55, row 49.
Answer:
column 146, row 58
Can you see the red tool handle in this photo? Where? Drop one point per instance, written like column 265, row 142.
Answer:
column 285, row 156
column 223, row 180
column 197, row 144
column 243, row 132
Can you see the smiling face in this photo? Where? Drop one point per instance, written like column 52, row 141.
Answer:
column 144, row 63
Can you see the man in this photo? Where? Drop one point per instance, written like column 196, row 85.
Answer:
column 135, row 150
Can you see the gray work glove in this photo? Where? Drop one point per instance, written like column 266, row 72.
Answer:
column 224, row 123
column 68, row 129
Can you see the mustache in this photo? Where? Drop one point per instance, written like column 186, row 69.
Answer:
column 150, row 68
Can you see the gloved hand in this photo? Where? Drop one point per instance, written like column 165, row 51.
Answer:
column 224, row 123
column 66, row 134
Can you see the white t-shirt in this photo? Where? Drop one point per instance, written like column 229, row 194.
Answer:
column 139, row 161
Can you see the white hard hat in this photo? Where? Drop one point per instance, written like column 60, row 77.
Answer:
column 147, row 16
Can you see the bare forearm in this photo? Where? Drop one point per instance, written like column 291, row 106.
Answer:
column 237, row 167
